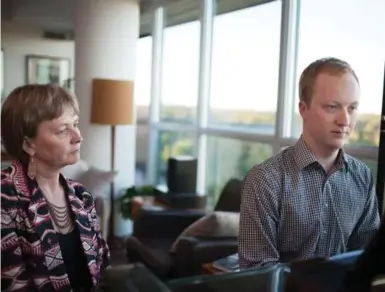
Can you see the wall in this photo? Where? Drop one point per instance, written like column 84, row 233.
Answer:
column 18, row 41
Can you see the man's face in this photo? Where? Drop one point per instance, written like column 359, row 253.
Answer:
column 331, row 115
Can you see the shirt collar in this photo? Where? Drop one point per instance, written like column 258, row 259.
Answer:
column 304, row 156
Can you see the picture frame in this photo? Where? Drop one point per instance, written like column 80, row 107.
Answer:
column 47, row 70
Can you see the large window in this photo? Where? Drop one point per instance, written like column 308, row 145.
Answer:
column 353, row 30
column 142, row 88
column 230, row 158
column 172, row 144
column 237, row 126
column 180, row 73
column 142, row 96
column 245, row 65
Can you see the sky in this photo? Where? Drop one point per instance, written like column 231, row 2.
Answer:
column 245, row 57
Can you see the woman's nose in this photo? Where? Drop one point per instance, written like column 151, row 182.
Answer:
column 77, row 137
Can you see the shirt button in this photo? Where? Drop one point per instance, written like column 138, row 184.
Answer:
column 326, row 205
column 324, row 232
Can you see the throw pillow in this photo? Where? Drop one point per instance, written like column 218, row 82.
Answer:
column 97, row 181
column 216, row 224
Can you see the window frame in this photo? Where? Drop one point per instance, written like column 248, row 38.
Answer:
column 290, row 14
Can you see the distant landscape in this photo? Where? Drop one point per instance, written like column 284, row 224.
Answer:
column 366, row 132
column 229, row 158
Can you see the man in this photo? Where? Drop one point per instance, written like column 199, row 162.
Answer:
column 312, row 199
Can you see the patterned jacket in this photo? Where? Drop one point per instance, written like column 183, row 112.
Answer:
column 31, row 258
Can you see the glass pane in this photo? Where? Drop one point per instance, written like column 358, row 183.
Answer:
column 142, row 92
column 172, row 144
column 180, row 73
column 141, row 153
column 142, row 86
column 230, row 158
column 353, row 31
column 245, row 66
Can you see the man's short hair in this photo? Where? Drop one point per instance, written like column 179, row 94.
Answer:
column 309, row 76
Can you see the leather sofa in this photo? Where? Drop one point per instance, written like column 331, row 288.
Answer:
column 155, row 231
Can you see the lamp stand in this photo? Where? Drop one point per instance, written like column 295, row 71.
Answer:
column 120, row 227
column 112, row 189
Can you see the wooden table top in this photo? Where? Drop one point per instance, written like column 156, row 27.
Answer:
column 208, row 268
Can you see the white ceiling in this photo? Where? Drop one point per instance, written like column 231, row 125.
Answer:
column 58, row 15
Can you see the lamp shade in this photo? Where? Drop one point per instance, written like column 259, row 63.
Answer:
column 112, row 102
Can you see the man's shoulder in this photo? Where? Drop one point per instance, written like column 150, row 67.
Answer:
column 276, row 163
column 357, row 167
column 273, row 168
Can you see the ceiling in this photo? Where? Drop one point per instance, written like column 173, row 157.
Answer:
column 54, row 15
column 58, row 15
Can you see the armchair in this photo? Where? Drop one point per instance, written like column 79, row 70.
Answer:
column 155, row 231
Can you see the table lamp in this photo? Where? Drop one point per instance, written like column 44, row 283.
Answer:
column 112, row 104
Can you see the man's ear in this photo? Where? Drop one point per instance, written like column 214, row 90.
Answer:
column 303, row 107
column 29, row 146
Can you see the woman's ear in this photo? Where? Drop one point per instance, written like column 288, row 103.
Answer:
column 29, row 146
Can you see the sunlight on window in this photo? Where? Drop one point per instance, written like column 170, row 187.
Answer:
column 142, row 86
column 180, row 72
column 245, row 66
column 353, row 30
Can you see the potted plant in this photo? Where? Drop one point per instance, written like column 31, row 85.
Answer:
column 124, row 224
column 125, row 200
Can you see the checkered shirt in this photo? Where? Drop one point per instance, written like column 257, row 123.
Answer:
column 293, row 210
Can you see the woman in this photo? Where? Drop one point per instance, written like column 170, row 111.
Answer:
column 50, row 238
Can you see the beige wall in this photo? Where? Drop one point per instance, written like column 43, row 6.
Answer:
column 18, row 41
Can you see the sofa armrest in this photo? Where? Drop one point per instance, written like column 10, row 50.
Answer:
column 169, row 223
column 192, row 252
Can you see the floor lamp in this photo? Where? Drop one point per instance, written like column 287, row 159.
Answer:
column 112, row 104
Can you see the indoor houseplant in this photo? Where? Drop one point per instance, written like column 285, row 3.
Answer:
column 124, row 224
column 125, row 200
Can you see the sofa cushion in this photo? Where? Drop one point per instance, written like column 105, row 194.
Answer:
column 216, row 224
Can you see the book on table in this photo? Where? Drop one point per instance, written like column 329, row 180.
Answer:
column 227, row 264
